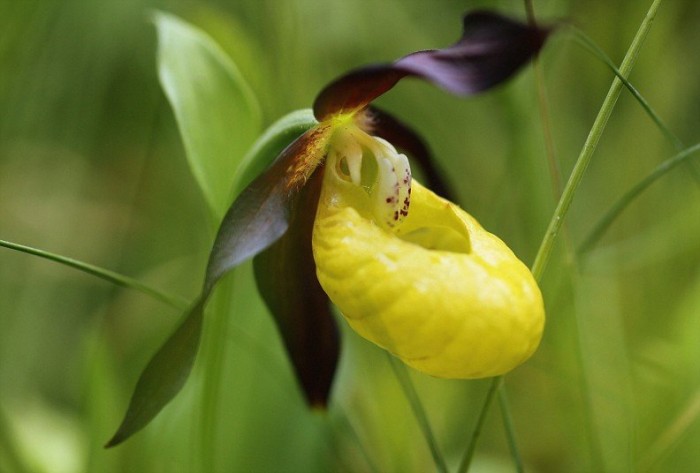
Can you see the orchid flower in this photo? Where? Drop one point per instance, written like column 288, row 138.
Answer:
column 339, row 218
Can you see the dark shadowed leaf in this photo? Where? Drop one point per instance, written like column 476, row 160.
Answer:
column 286, row 278
column 491, row 49
column 406, row 139
column 164, row 375
column 260, row 214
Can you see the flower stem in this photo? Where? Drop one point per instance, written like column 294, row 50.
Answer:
column 590, row 145
column 568, row 193
column 409, row 390
column 510, row 430
column 110, row 276
column 471, row 448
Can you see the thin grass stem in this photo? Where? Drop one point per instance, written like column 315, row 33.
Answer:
column 510, row 429
column 584, row 40
column 590, row 145
column 214, row 351
column 609, row 217
column 409, row 390
column 110, row 276
column 478, row 427
column 569, row 191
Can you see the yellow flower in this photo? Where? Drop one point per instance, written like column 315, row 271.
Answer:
column 409, row 270
column 420, row 277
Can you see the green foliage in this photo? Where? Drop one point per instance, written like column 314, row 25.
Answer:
column 92, row 165
column 217, row 115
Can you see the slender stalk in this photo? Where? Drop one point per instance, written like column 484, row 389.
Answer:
column 409, row 390
column 568, row 193
column 110, row 276
column 622, row 203
column 585, row 41
column 214, row 351
column 510, row 429
column 476, row 433
column 590, row 145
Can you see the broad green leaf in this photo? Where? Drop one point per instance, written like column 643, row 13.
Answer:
column 164, row 376
column 239, row 238
column 216, row 112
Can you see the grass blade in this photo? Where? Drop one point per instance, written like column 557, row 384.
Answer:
column 622, row 203
column 476, row 433
column 110, row 276
column 584, row 40
column 590, row 145
column 510, row 429
column 409, row 390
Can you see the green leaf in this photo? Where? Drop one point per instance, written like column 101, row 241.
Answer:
column 216, row 112
column 164, row 376
column 168, row 370
column 271, row 144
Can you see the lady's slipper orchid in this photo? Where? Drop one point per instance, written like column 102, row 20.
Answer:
column 339, row 215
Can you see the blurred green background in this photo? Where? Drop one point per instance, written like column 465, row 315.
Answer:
column 92, row 167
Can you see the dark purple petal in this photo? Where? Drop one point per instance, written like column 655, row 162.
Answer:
column 399, row 134
column 163, row 377
column 286, row 278
column 356, row 89
column 260, row 214
column 491, row 49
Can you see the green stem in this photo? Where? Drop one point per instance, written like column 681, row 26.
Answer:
column 110, row 276
column 590, row 145
column 568, row 193
column 590, row 46
column 214, row 351
column 474, row 439
column 632, row 194
column 409, row 390
column 510, row 429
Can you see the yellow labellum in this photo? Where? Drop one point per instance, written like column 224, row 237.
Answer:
column 439, row 292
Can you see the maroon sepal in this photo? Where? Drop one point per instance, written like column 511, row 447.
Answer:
column 491, row 50
column 260, row 214
column 386, row 126
column 286, row 277
column 258, row 218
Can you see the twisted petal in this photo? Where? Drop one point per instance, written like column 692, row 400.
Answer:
column 260, row 215
column 440, row 292
column 491, row 49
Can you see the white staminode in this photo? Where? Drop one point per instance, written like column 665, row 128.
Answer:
column 391, row 191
